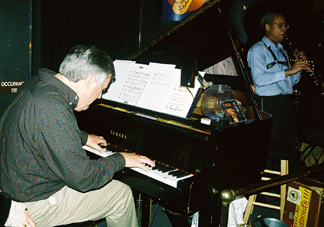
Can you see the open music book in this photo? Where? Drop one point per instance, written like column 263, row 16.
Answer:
column 155, row 87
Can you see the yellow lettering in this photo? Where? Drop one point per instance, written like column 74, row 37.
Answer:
column 301, row 211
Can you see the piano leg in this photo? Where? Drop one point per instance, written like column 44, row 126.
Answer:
column 177, row 219
column 216, row 215
column 209, row 217
column 145, row 210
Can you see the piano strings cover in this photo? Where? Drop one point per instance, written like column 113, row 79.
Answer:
column 154, row 87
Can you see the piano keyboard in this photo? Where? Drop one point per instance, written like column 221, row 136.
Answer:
column 171, row 177
column 92, row 150
column 161, row 172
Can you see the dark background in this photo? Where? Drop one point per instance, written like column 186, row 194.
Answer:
column 14, row 44
column 36, row 33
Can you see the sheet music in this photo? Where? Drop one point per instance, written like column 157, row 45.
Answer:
column 160, row 86
column 155, row 87
column 116, row 90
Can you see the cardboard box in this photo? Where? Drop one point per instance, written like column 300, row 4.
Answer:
column 303, row 206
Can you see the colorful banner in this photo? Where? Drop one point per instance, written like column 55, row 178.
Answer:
column 176, row 10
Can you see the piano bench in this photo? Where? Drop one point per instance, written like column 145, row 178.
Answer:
column 5, row 204
column 80, row 224
column 284, row 169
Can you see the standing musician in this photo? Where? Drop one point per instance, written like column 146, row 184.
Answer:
column 43, row 164
column 274, row 78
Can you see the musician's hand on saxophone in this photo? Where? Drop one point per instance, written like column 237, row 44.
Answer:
column 297, row 67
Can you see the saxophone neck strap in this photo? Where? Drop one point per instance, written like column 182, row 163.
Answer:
column 270, row 65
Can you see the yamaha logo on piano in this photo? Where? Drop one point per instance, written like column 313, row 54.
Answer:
column 118, row 134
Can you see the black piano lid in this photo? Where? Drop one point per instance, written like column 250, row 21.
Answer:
column 205, row 35
column 202, row 33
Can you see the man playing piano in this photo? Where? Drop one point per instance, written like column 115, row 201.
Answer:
column 274, row 79
column 43, row 164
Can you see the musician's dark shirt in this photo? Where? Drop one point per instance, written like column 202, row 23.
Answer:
column 41, row 144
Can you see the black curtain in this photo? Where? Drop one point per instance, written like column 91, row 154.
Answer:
column 112, row 25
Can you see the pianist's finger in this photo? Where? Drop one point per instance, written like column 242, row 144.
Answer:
column 94, row 141
column 29, row 220
column 98, row 148
column 134, row 160
column 145, row 160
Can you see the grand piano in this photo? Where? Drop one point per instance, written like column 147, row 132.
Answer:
column 206, row 158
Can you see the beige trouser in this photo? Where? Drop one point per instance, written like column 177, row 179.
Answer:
column 114, row 202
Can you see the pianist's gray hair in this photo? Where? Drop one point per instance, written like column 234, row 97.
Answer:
column 268, row 19
column 83, row 61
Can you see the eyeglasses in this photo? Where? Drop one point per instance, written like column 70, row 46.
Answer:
column 280, row 25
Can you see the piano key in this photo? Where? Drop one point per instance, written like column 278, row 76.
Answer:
column 165, row 174
column 178, row 173
column 158, row 165
column 92, row 150
column 162, row 177
column 166, row 169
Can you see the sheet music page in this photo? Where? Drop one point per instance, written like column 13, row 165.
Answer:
column 155, row 87
column 122, row 68
column 133, row 81
column 160, row 86
column 164, row 94
column 181, row 99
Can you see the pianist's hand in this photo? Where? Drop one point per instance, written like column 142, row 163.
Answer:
column 134, row 160
column 95, row 142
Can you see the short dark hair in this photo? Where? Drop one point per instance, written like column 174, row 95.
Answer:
column 268, row 19
column 85, row 60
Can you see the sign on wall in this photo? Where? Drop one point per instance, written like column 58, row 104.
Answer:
column 10, row 86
